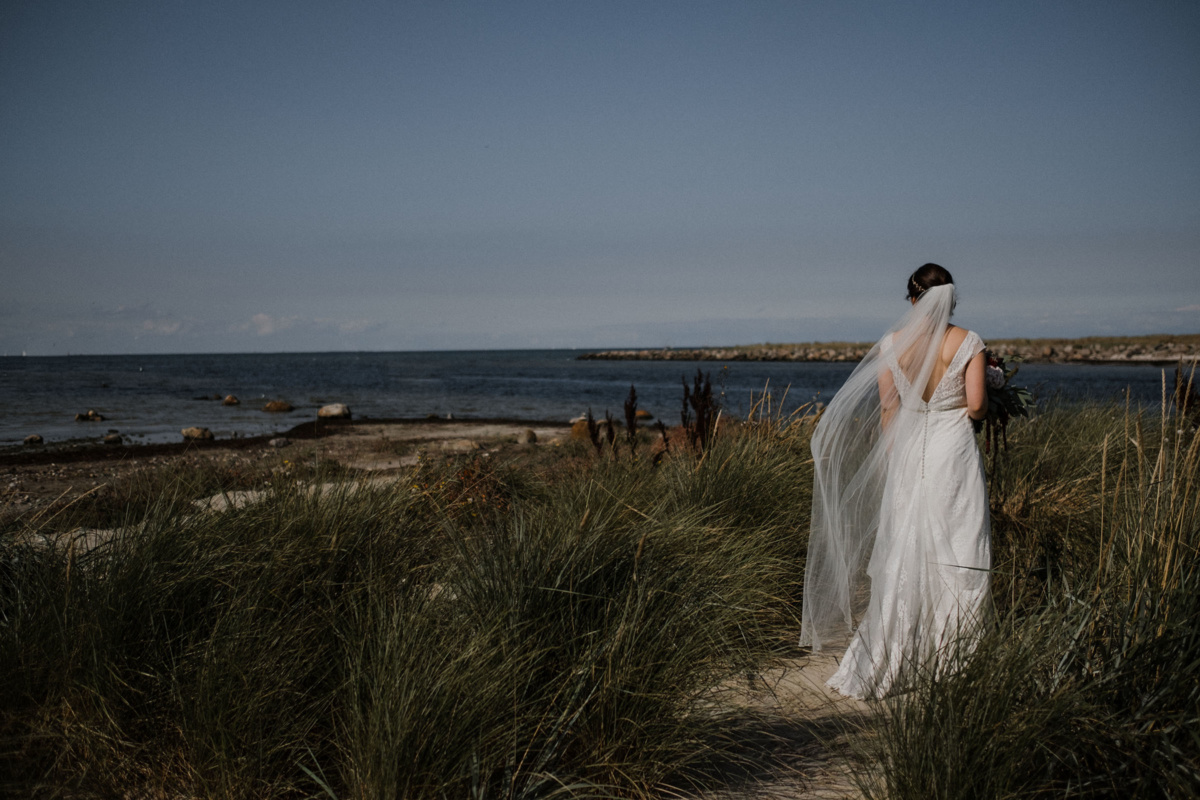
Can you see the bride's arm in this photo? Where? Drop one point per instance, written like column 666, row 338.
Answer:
column 888, row 398
column 977, row 401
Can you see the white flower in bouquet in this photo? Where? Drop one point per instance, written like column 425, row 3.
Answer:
column 995, row 377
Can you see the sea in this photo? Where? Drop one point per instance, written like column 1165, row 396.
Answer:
column 150, row 398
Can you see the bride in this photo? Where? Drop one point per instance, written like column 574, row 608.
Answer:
column 900, row 498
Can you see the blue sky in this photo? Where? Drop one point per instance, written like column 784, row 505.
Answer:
column 271, row 176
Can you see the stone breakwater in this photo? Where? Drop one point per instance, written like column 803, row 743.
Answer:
column 1094, row 350
column 821, row 352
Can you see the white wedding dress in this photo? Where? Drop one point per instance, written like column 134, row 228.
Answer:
column 899, row 541
column 929, row 567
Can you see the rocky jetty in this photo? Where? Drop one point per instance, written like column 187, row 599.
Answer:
column 1162, row 349
column 1104, row 350
column 768, row 352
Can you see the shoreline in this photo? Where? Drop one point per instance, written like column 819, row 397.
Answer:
column 54, row 474
column 90, row 449
column 1152, row 350
column 148, row 437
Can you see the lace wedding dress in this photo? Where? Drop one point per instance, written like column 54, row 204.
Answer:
column 899, row 478
column 928, row 570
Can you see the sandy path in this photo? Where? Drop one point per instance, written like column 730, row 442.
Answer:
column 797, row 735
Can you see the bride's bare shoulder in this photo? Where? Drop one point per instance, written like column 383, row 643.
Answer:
column 954, row 338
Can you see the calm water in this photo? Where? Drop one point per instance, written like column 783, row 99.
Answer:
column 149, row 398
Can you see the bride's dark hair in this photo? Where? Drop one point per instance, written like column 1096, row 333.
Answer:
column 927, row 277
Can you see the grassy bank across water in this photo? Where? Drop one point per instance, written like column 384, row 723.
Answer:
column 570, row 624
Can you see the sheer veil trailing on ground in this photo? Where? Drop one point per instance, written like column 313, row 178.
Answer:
column 851, row 449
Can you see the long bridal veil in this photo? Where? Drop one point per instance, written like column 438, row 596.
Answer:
column 851, row 445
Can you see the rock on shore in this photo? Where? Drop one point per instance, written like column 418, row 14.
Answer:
column 334, row 411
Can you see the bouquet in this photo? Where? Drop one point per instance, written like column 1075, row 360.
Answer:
column 1005, row 400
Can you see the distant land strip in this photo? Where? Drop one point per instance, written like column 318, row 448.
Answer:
column 1156, row 349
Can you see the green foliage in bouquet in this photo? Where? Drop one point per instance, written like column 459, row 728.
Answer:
column 1005, row 400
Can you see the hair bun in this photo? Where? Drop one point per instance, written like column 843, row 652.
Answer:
column 927, row 277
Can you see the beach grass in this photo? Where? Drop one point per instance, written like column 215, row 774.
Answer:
column 567, row 623
column 467, row 630
column 1088, row 683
